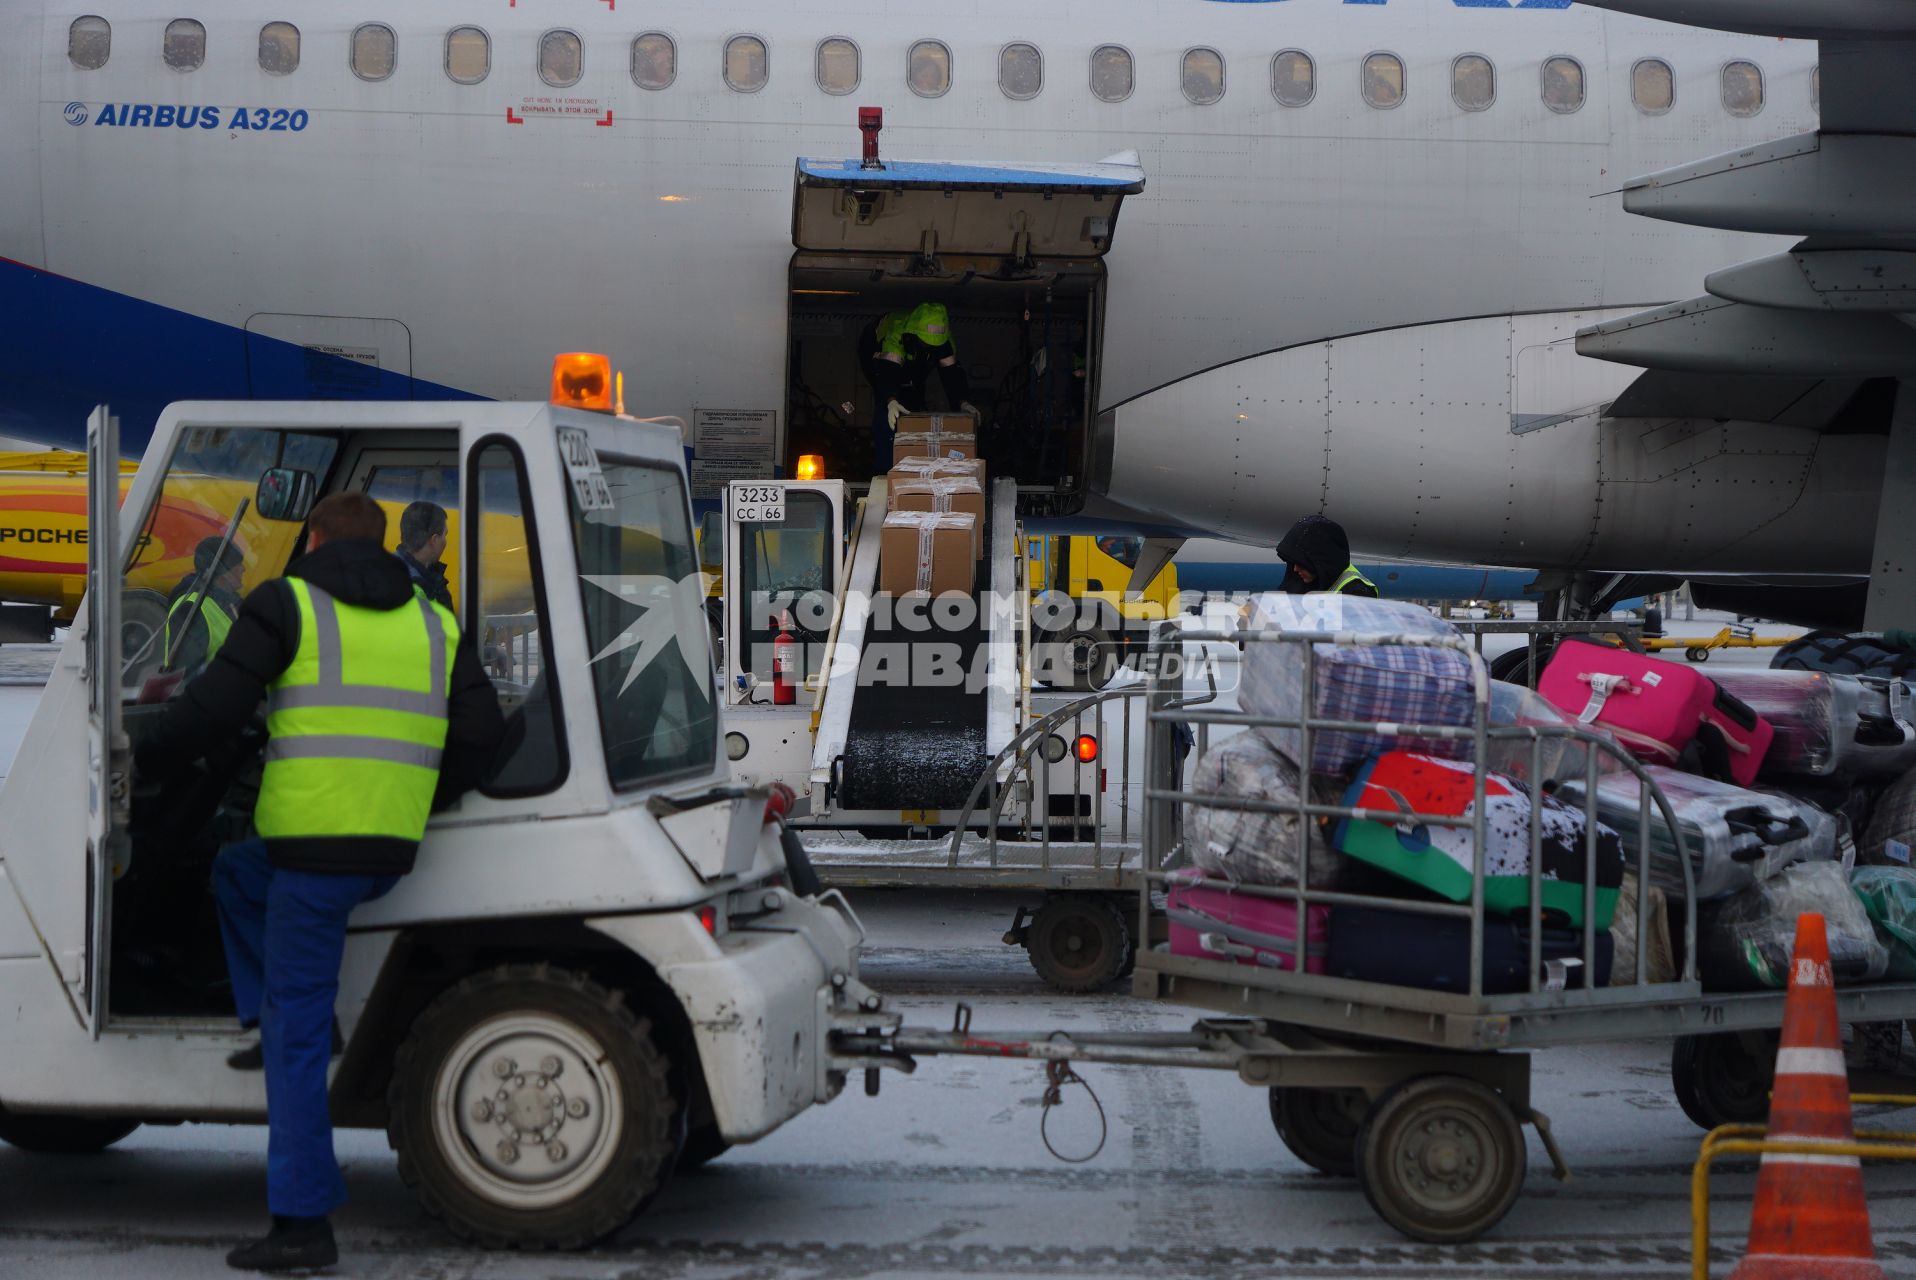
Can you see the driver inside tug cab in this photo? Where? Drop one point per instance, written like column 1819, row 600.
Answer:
column 202, row 607
column 897, row 352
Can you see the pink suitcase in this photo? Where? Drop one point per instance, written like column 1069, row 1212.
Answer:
column 1655, row 709
column 1220, row 924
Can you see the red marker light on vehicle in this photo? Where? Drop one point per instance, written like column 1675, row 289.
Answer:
column 708, row 916
column 1087, row 748
column 779, row 803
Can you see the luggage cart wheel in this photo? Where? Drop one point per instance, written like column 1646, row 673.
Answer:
column 1441, row 1158
column 1697, row 653
column 1319, row 1126
column 1078, row 942
column 1724, row 1077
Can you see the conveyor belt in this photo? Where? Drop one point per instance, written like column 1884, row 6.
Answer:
column 916, row 746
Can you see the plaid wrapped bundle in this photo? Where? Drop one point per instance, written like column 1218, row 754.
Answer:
column 1396, row 683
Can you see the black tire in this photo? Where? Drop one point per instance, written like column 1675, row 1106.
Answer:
column 1723, row 1078
column 1514, row 667
column 1697, row 653
column 1441, row 1158
column 470, row 1040
column 1094, row 657
column 702, row 1146
column 58, row 1135
column 1078, row 942
column 1320, row 1126
column 142, row 614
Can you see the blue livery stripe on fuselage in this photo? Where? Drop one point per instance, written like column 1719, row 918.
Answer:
column 66, row 346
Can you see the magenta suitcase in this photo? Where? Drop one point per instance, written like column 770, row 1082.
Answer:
column 1656, row 709
column 1222, row 924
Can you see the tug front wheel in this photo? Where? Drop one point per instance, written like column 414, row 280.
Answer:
column 532, row 1109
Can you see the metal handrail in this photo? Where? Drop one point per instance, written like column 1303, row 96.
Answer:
column 1163, row 716
column 1021, row 745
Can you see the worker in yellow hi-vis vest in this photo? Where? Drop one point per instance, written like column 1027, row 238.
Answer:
column 1317, row 557
column 201, row 609
column 897, row 353
column 377, row 713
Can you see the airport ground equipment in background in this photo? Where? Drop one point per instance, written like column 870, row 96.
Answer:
column 602, row 967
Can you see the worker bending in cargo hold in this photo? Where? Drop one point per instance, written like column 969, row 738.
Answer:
column 1317, row 557
column 201, row 609
column 377, row 714
column 898, row 352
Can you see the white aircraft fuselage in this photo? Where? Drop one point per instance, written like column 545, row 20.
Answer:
column 1334, row 306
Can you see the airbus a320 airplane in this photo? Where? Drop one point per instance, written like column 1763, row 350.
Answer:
column 1212, row 265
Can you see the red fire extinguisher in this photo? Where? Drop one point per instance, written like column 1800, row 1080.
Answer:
column 785, row 663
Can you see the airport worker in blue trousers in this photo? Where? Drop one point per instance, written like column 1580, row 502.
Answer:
column 377, row 713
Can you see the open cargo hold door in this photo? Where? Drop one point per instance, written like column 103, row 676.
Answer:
column 1021, row 212
column 1017, row 253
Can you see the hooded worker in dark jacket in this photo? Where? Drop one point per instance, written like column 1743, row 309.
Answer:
column 378, row 713
column 1317, row 557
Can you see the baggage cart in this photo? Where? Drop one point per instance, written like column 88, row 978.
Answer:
column 1420, row 1095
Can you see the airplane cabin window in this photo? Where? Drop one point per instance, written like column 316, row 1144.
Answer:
column 1652, row 86
column 279, row 48
column 375, row 51
column 837, row 65
column 1383, row 80
column 655, row 61
column 184, row 48
column 1473, row 82
column 1742, row 88
column 1202, row 77
column 1113, row 75
column 1020, row 71
column 468, row 55
column 1293, row 78
column 928, row 69
column 745, row 64
column 1563, row 85
column 561, row 58
column 89, row 42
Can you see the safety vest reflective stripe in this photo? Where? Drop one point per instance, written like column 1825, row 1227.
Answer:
column 173, row 633
column 1349, row 576
column 350, row 746
column 363, row 696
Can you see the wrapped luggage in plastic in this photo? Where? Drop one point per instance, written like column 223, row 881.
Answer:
column 1829, row 724
column 1227, row 925
column 1890, row 838
column 1254, row 848
column 1735, row 836
column 1559, row 756
column 1659, row 953
column 1744, row 942
column 1438, row 857
column 1848, row 655
column 1888, row 894
column 1400, row 684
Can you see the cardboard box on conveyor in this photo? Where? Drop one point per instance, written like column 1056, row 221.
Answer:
column 922, row 444
column 945, row 493
column 928, row 468
column 937, row 424
column 927, row 551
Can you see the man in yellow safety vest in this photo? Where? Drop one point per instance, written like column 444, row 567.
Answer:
column 202, row 607
column 377, row 714
column 1317, row 557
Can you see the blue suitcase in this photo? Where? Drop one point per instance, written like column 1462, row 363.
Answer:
column 1411, row 949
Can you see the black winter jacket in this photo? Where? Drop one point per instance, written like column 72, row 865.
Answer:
column 1317, row 543
column 219, row 702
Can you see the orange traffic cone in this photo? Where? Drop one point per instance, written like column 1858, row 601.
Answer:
column 1810, row 1221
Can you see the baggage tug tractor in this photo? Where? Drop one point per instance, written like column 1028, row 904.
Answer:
column 603, row 966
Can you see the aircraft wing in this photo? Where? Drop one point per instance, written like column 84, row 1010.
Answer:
column 1801, row 336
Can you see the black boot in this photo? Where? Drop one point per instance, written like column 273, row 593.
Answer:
column 253, row 1057
column 294, row 1244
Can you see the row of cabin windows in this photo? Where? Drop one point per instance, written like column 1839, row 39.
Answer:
column 837, row 67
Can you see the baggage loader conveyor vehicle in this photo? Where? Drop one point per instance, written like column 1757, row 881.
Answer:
column 1419, row 1094
column 603, row 965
